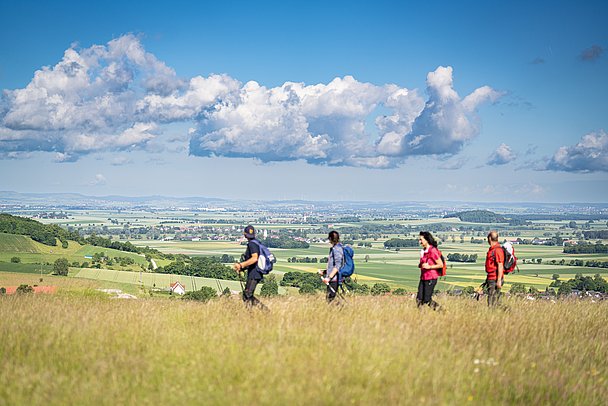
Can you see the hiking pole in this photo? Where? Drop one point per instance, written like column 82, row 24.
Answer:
column 334, row 291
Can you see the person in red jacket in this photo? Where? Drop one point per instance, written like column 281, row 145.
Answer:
column 495, row 259
column 430, row 263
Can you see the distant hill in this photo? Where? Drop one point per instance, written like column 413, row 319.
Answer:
column 478, row 216
column 48, row 234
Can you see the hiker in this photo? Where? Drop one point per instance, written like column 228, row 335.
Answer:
column 430, row 266
column 334, row 262
column 254, row 276
column 495, row 259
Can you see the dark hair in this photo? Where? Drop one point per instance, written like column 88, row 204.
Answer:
column 429, row 238
column 334, row 237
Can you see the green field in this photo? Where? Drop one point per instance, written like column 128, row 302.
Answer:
column 400, row 269
column 33, row 252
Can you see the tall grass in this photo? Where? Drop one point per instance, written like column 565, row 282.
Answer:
column 375, row 350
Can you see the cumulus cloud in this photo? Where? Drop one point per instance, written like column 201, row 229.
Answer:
column 445, row 123
column 589, row 155
column 118, row 97
column 501, row 156
column 327, row 123
column 87, row 102
column 592, row 53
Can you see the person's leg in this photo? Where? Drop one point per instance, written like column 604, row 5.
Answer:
column 491, row 292
column 332, row 290
column 429, row 294
column 420, row 296
column 499, row 293
column 248, row 296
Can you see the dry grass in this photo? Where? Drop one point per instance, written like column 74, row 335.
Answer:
column 91, row 350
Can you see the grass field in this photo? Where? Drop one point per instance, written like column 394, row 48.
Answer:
column 158, row 280
column 60, row 350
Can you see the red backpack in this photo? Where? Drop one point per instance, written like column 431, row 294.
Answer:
column 442, row 271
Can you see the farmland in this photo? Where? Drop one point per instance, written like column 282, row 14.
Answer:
column 217, row 234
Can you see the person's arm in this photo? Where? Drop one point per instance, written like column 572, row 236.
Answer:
column 500, row 265
column 240, row 265
column 438, row 263
column 255, row 253
column 337, row 260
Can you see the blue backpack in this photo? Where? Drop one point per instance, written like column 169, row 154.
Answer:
column 348, row 264
column 266, row 259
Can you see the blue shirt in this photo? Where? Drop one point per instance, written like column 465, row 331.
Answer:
column 335, row 259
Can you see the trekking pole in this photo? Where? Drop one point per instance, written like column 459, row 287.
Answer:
column 340, row 295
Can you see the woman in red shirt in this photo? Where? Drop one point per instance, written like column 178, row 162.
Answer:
column 430, row 263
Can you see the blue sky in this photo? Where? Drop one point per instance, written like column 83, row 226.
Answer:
column 366, row 101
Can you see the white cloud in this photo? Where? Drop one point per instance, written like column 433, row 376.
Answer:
column 86, row 102
column 501, row 156
column 99, row 180
column 117, row 97
column 589, row 155
column 445, row 124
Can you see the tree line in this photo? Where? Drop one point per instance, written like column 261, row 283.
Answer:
column 581, row 283
column 456, row 257
column 401, row 243
column 586, row 249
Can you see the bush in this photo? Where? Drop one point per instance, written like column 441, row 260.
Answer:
column 400, row 292
column 15, row 260
column 3, row 291
column 206, row 293
column 270, row 287
column 469, row 290
column 24, row 289
column 307, row 289
column 60, row 267
column 380, row 289
column 518, row 288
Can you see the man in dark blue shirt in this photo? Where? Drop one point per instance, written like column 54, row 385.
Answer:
column 254, row 276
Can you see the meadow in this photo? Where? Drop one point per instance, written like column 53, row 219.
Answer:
column 78, row 347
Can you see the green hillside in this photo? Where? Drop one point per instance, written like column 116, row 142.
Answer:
column 18, row 244
column 32, row 252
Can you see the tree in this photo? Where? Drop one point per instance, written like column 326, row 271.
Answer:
column 518, row 288
column 564, row 289
column 270, row 287
column 60, row 267
column 555, row 277
column 15, row 260
column 226, row 292
column 205, row 294
column 380, row 289
column 307, row 289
